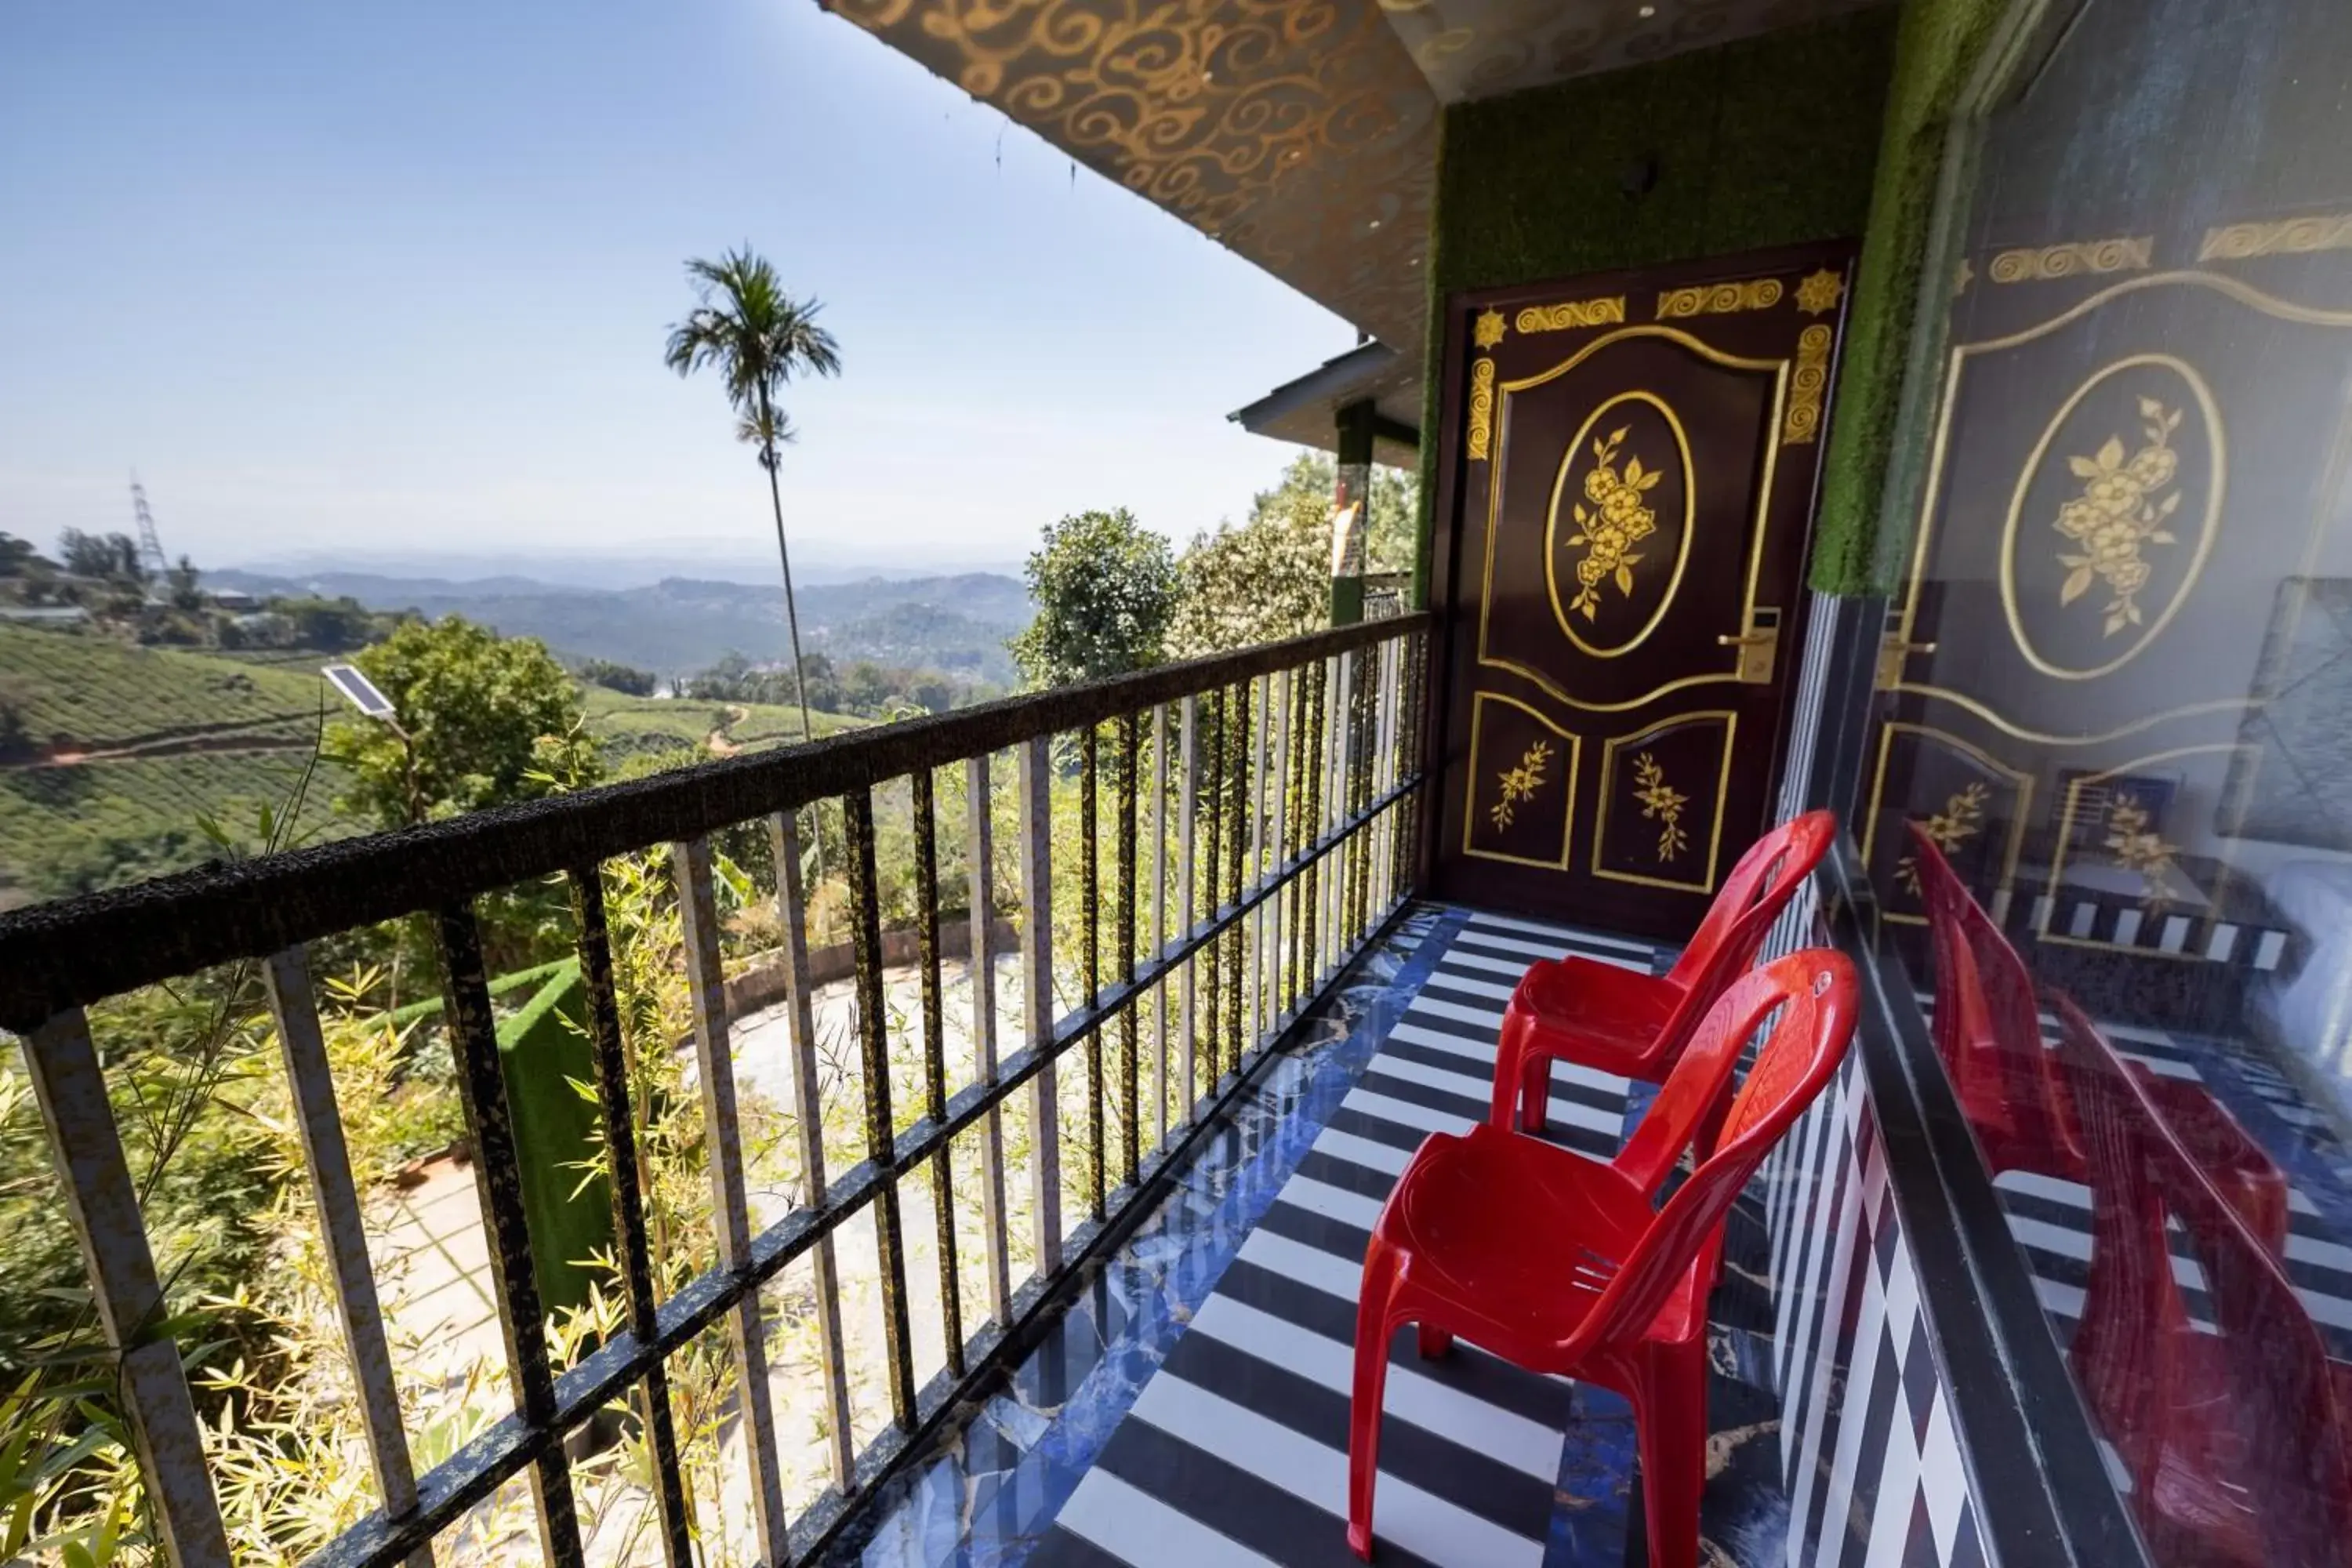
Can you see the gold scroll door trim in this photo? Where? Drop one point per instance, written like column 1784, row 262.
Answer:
column 1492, row 423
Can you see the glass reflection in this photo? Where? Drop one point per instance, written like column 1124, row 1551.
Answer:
column 2108, row 803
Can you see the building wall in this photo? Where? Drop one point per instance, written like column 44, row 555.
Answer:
column 1771, row 141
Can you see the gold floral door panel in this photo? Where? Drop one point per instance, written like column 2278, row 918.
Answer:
column 2141, row 438
column 1629, row 481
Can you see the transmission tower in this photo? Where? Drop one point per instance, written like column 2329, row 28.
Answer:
column 151, row 549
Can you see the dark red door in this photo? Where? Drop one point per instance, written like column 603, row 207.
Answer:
column 1632, row 467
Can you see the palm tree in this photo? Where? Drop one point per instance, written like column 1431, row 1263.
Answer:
column 759, row 337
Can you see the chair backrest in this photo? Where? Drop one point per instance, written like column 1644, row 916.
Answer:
column 1815, row 992
column 2293, row 1466
column 1760, row 886
column 1987, row 1026
column 1741, row 916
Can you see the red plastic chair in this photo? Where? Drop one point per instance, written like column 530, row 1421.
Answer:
column 1560, row 1264
column 1988, row 1033
column 2239, row 1443
column 1602, row 1017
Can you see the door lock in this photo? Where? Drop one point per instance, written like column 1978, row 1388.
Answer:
column 1758, row 646
column 1892, row 651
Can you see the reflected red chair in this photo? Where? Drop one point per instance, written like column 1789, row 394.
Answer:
column 1988, row 1033
column 1601, row 1015
column 2237, row 1442
column 1560, row 1264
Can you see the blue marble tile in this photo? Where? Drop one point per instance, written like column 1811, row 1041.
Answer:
column 987, row 1498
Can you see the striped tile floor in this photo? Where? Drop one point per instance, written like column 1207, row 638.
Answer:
column 1235, row 1451
column 2049, row 1217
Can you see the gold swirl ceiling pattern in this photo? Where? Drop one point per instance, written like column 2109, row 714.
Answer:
column 1297, row 132
column 1302, row 135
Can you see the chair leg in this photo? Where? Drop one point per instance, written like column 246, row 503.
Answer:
column 1670, row 1416
column 1432, row 1341
column 1509, row 1048
column 1374, row 1325
column 1534, row 1091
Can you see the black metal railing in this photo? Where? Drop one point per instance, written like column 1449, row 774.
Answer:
column 1284, row 844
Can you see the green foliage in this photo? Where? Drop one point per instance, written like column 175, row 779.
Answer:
column 1270, row 578
column 1105, row 590
column 96, row 693
column 865, row 689
column 67, row 830
column 625, row 678
column 103, row 556
column 481, row 721
column 758, row 336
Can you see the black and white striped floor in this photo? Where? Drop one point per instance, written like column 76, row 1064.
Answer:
column 2050, row 1218
column 1236, row 1450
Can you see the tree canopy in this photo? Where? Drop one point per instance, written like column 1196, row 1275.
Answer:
column 1270, row 577
column 1105, row 590
column 486, row 721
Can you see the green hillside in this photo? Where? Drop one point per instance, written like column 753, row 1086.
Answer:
column 628, row 727
column 119, row 754
column 78, row 691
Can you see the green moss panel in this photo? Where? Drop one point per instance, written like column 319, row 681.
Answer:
column 1936, row 48
column 545, row 1053
column 1769, row 141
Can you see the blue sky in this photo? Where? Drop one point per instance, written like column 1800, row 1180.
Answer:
column 378, row 278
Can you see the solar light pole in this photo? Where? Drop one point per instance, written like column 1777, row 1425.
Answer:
column 361, row 693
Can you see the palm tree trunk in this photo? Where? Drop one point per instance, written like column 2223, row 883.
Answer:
column 784, row 556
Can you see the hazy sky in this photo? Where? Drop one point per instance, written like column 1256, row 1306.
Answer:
column 397, row 277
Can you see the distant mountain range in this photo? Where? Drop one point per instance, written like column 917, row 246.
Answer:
column 957, row 623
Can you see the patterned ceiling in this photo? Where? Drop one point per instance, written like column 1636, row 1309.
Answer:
column 1301, row 134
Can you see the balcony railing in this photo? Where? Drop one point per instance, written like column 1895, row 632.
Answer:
column 1286, row 843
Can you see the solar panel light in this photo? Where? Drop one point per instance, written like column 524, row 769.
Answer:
column 359, row 690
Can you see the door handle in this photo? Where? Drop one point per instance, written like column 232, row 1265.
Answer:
column 1892, row 651
column 1758, row 646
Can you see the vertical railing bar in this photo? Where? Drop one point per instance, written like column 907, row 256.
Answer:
column 1363, row 793
column 1236, row 787
column 808, row 1120
column 1187, row 815
column 327, row 1159
column 1159, row 919
column 1337, row 811
column 1255, row 1008
column 1310, row 897
column 1123, row 934
column 1038, row 1004
column 1385, row 849
column 874, row 1038
column 1279, row 784
column 1294, row 817
column 103, row 1203
column 935, row 1060
column 1212, row 888
column 497, row 1185
column 613, row 1107
column 730, row 1207
column 981, row 852
column 1090, row 919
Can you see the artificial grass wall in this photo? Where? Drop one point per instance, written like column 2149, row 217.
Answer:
column 1821, row 131
column 544, row 1051
column 1936, row 49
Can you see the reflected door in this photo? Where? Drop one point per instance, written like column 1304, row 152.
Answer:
column 2119, row 603
column 1629, row 487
